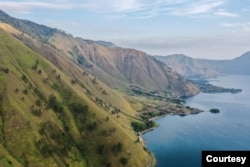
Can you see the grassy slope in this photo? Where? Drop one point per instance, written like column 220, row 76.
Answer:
column 21, row 136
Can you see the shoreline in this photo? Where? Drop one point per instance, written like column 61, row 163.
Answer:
column 169, row 114
column 153, row 160
column 165, row 115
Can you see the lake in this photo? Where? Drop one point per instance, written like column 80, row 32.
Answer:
column 178, row 141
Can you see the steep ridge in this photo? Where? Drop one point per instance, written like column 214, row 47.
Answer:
column 59, row 115
column 118, row 67
column 188, row 66
column 239, row 65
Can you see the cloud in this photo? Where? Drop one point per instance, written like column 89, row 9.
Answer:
column 110, row 6
column 237, row 26
column 199, row 7
column 94, row 5
column 226, row 14
column 134, row 8
column 29, row 6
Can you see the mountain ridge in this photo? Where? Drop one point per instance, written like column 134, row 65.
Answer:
column 188, row 66
column 117, row 67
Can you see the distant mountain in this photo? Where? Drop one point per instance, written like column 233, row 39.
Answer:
column 117, row 67
column 189, row 67
column 239, row 65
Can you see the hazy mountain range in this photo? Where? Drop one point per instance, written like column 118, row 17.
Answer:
column 188, row 66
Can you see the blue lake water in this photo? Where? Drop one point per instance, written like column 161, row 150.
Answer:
column 178, row 141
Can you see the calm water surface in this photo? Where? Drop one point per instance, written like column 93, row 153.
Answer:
column 178, row 141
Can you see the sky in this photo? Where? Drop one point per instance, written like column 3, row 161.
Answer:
column 213, row 29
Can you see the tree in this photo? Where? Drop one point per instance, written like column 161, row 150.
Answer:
column 124, row 161
column 117, row 148
column 16, row 90
column 24, row 78
column 73, row 82
column 39, row 71
column 38, row 103
column 138, row 126
column 78, row 108
column 25, row 91
column 6, row 70
column 94, row 81
column 34, row 67
column 54, row 104
column 100, row 149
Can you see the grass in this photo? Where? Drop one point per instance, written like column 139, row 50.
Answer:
column 22, row 129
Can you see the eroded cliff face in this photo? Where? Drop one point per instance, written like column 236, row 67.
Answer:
column 122, row 67
column 187, row 66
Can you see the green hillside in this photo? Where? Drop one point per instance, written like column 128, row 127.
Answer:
column 50, row 117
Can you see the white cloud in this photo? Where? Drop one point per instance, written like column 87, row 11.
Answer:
column 29, row 6
column 226, row 14
column 114, row 6
column 139, row 8
column 238, row 26
column 199, row 7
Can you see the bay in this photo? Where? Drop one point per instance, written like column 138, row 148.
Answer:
column 178, row 141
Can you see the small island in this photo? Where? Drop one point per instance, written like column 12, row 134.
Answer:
column 214, row 110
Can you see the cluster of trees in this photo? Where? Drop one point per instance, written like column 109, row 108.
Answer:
column 54, row 140
column 78, row 108
column 54, row 104
column 142, row 126
column 117, row 148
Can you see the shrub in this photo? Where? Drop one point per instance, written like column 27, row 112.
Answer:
column 124, row 161
column 73, row 82
column 6, row 70
column 117, row 148
column 54, row 104
column 37, row 112
column 25, row 91
column 24, row 78
column 138, row 126
column 34, row 67
column 94, row 81
column 39, row 94
column 39, row 71
column 44, row 147
column 16, row 90
column 77, row 107
column 92, row 126
column 100, row 149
